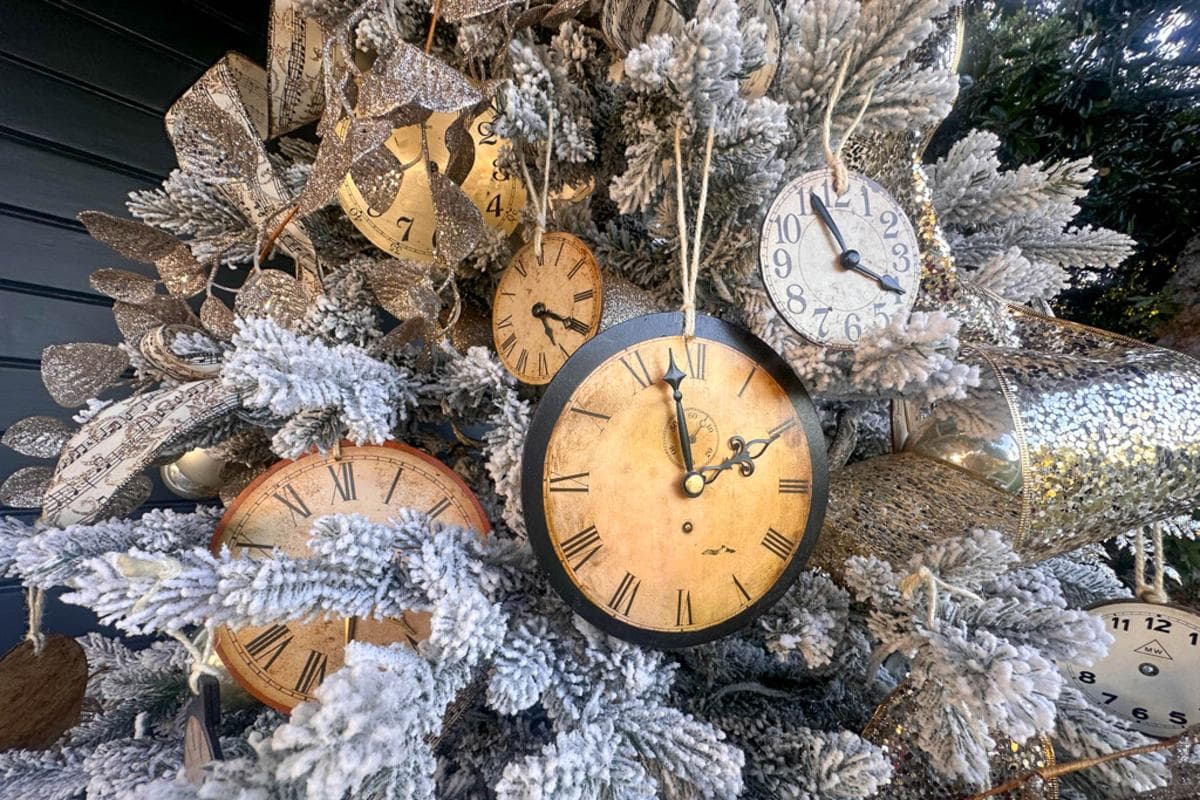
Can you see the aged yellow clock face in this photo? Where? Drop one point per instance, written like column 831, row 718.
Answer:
column 663, row 539
column 405, row 228
column 283, row 664
column 544, row 309
column 829, row 293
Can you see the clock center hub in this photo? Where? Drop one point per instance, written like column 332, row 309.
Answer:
column 703, row 433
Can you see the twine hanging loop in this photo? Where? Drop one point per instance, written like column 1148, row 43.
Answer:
column 1150, row 592
column 35, row 597
column 833, row 155
column 933, row 586
column 690, row 269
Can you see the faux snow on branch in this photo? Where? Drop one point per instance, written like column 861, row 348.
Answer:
column 288, row 374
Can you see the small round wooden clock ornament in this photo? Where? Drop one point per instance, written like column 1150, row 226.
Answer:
column 405, row 228
column 647, row 530
column 546, row 307
column 1151, row 675
column 836, row 267
column 283, row 664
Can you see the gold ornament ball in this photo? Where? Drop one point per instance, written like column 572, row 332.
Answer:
column 195, row 475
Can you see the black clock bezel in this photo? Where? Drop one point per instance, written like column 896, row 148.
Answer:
column 577, row 368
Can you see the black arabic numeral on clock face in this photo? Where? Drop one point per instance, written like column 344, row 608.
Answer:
column 787, row 228
column 406, row 223
column 851, row 327
column 1087, row 677
column 1120, row 624
column 866, row 194
column 1109, row 698
column 269, row 645
column 902, row 263
column 823, row 313
column 795, row 295
column 892, row 221
column 313, row 673
column 494, row 205
column 343, row 481
column 1178, row 718
column 1158, row 624
column 783, row 262
column 626, row 591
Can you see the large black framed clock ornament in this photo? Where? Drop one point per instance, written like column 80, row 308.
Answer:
column 673, row 487
column 1151, row 675
column 838, row 266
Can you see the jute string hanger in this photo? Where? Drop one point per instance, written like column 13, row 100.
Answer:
column 833, row 155
column 690, row 270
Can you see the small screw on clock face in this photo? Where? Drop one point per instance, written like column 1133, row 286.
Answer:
column 837, row 267
column 1151, row 675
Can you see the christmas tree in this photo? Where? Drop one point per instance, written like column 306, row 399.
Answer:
column 913, row 663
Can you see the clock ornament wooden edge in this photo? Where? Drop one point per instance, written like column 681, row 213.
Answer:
column 586, row 359
column 231, row 664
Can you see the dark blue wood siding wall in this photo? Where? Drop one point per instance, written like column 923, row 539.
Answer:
column 83, row 88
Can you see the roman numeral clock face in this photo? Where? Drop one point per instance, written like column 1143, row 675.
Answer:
column 546, row 307
column 666, row 538
column 283, row 664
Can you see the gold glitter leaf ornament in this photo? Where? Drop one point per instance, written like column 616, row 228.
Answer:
column 121, row 284
column 217, row 318
column 459, row 222
column 459, row 10
column 38, row 437
column 406, row 76
column 74, row 373
column 339, row 152
column 25, row 487
column 135, row 321
column 181, row 273
column 275, row 294
column 404, row 290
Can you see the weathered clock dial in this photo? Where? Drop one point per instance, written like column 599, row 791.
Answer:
column 405, row 227
column 837, row 267
column 673, row 488
column 1151, row 675
column 545, row 308
column 283, row 664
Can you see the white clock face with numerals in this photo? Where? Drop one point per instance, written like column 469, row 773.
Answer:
column 830, row 294
column 1151, row 675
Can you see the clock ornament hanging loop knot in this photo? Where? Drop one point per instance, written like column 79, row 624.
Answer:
column 833, row 155
column 1150, row 592
column 200, row 649
column 933, row 585
column 36, row 598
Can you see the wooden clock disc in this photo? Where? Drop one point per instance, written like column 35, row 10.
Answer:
column 40, row 695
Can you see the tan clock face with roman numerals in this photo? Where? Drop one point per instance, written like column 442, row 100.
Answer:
column 663, row 539
column 545, row 308
column 283, row 664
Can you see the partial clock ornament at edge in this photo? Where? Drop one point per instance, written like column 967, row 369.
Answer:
column 837, row 267
column 673, row 488
column 282, row 664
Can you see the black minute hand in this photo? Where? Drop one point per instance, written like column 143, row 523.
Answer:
column 673, row 378
column 827, row 218
column 848, row 258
